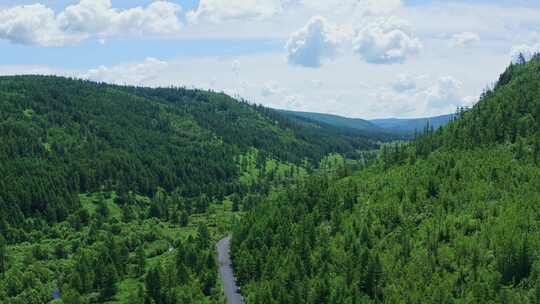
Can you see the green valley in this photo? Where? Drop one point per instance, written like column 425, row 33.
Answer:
column 114, row 194
column 118, row 194
column 269, row 152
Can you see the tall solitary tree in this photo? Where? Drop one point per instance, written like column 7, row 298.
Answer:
column 521, row 59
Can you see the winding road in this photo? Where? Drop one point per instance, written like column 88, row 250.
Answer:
column 226, row 272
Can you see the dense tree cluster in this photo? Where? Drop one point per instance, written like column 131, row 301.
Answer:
column 91, row 256
column 450, row 218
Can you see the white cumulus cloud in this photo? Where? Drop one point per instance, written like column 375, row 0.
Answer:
column 418, row 96
column 38, row 24
column 469, row 101
column 394, row 103
column 386, row 41
column 465, row 39
column 31, row 24
column 88, row 16
column 376, row 7
column 359, row 7
column 313, row 43
column 219, row 11
column 446, row 92
column 235, row 66
column 294, row 101
column 405, row 82
column 140, row 73
column 224, row 10
column 160, row 17
column 271, row 88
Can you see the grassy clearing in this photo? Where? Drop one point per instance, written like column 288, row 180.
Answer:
column 90, row 202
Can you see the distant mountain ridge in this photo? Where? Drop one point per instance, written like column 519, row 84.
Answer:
column 336, row 120
column 409, row 126
column 390, row 127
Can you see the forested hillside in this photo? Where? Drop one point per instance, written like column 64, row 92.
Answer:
column 61, row 137
column 114, row 194
column 450, row 218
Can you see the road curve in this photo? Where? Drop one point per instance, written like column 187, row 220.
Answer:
column 226, row 272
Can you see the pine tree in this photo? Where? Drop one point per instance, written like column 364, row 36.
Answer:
column 123, row 258
column 155, row 211
column 520, row 149
column 3, row 256
column 235, row 205
column 102, row 208
column 535, row 297
column 184, row 219
column 182, row 274
column 203, row 236
column 82, row 277
column 108, row 289
column 141, row 260
column 536, row 150
column 521, row 59
column 153, row 285
column 127, row 214
column 432, row 189
column 136, row 296
column 373, row 277
column 71, row 296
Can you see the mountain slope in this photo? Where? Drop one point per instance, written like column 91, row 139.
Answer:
column 60, row 137
column 450, row 218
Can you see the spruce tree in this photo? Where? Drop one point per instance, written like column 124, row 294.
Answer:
column 153, row 285
column 108, row 289
column 141, row 260
column 3, row 256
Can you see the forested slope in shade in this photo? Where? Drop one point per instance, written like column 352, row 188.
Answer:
column 349, row 123
column 60, row 137
column 452, row 217
column 382, row 129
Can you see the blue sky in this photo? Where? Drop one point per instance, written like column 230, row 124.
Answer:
column 359, row 58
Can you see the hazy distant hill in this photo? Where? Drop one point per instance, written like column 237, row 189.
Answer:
column 408, row 126
column 391, row 127
column 344, row 122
